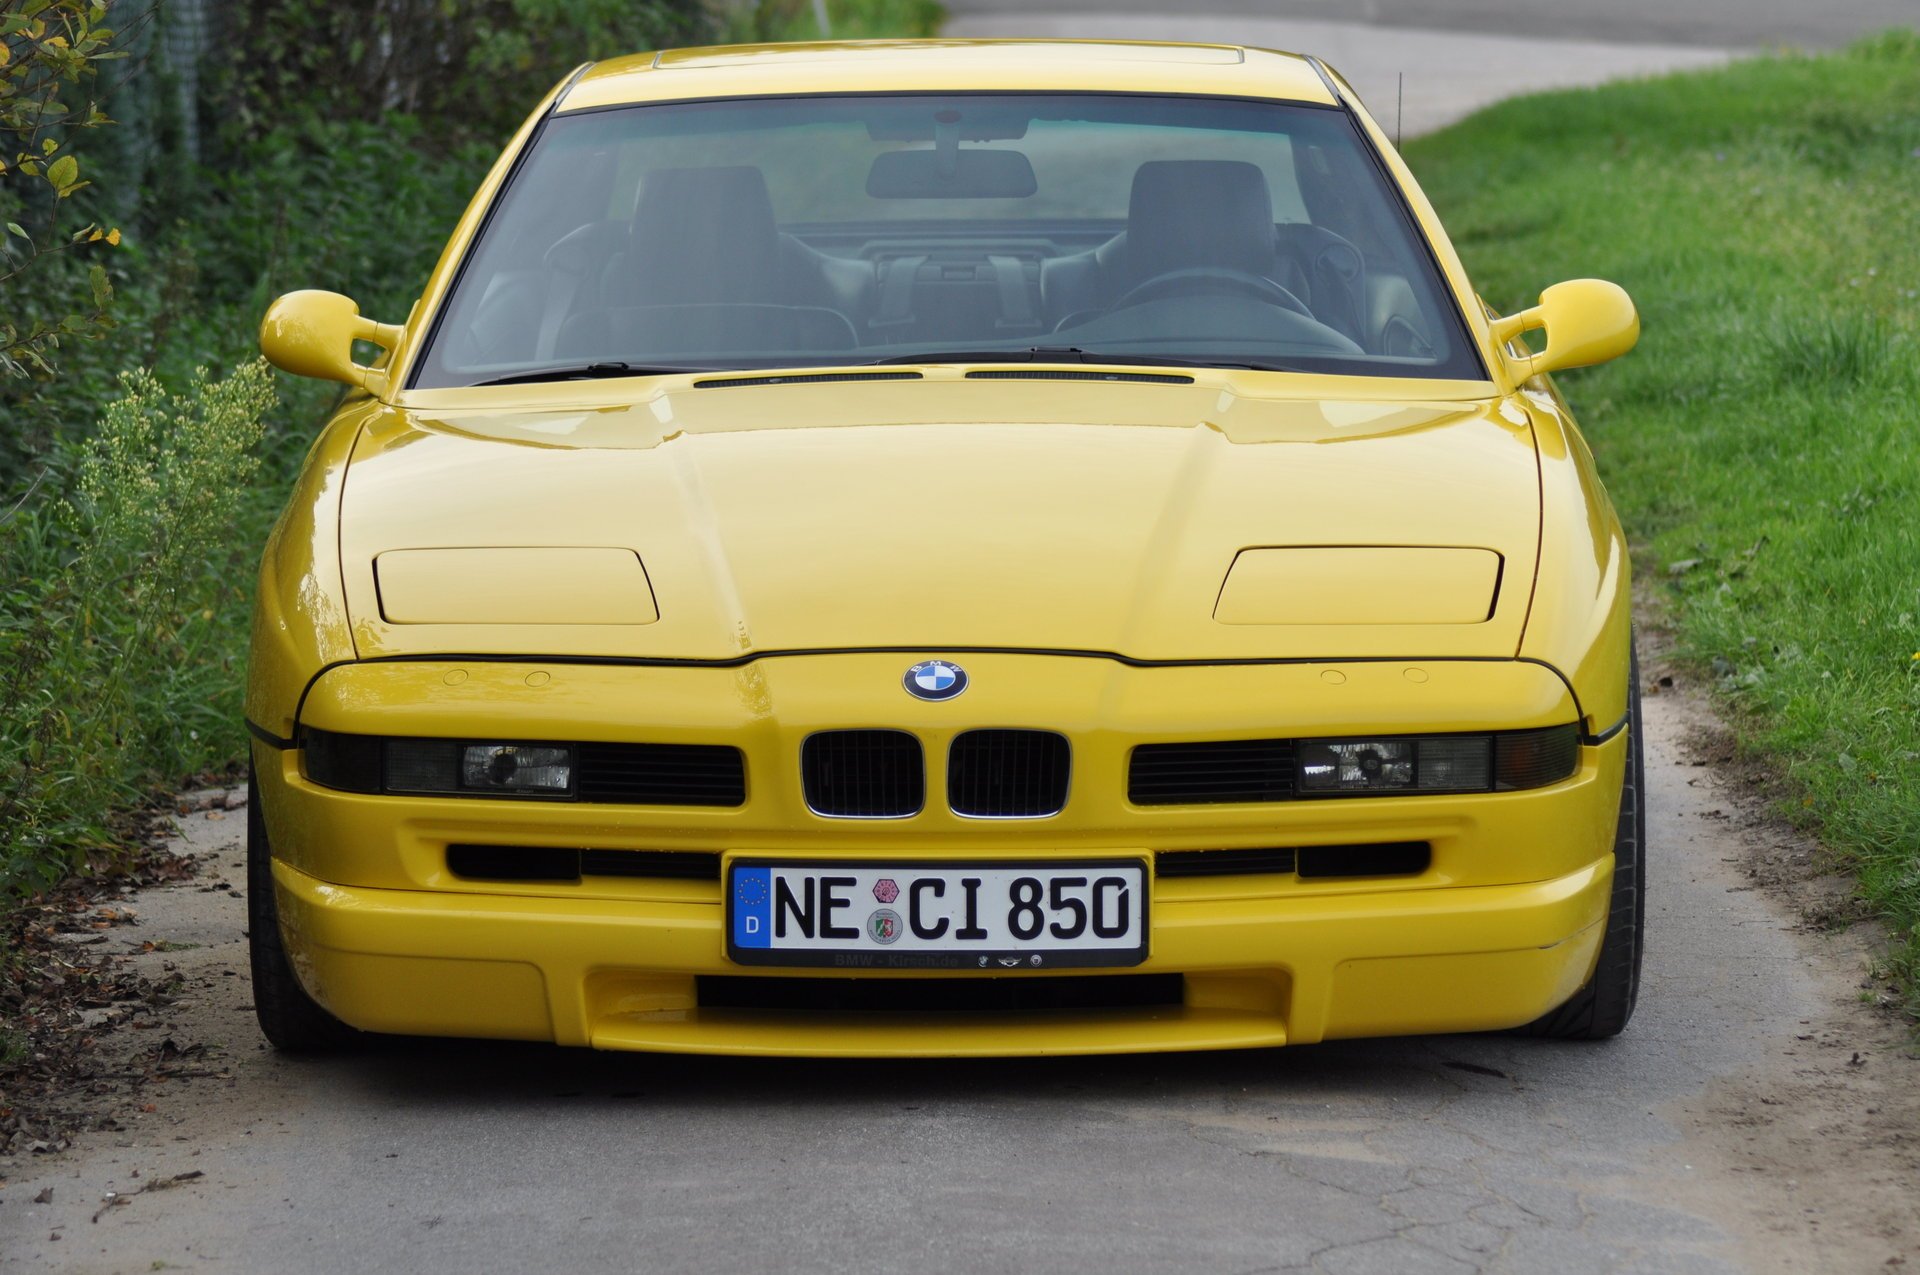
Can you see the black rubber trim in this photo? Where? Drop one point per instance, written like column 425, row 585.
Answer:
column 753, row 657
column 1594, row 741
column 1320, row 69
column 698, row 100
column 1057, row 374
column 266, row 736
column 803, row 378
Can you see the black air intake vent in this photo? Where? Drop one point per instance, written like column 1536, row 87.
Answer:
column 1008, row 774
column 1214, row 772
column 663, row 774
column 804, row 378
column 557, row 863
column 1055, row 374
column 1383, row 859
column 1373, row 859
column 1223, row 863
column 863, row 774
column 939, row 995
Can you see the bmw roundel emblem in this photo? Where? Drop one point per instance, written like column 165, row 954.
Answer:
column 935, row 680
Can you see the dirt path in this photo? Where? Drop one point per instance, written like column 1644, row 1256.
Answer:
column 1755, row 1117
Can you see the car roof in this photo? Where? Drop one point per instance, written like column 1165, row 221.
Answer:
column 880, row 66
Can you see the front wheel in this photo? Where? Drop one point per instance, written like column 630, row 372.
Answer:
column 292, row 1020
column 1602, row 1008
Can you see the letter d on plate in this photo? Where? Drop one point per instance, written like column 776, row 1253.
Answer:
column 752, row 906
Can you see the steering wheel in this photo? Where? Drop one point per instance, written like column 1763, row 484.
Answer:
column 1202, row 280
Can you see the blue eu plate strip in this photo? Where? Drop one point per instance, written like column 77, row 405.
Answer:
column 753, row 907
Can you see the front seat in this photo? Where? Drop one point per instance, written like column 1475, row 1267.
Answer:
column 708, row 235
column 1183, row 214
column 1186, row 214
column 703, row 242
column 704, row 236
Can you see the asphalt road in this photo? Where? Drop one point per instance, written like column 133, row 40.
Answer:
column 1722, row 1133
column 1712, row 23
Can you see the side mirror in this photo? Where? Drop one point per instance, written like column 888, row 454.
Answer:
column 1587, row 321
column 312, row 334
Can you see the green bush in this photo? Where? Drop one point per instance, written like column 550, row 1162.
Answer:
column 766, row 20
column 123, row 631
column 473, row 69
column 50, row 56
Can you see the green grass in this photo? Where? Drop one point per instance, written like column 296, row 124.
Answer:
column 1761, row 442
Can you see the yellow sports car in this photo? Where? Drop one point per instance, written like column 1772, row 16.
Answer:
column 946, row 549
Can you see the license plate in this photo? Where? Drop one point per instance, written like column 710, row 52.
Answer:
column 946, row 915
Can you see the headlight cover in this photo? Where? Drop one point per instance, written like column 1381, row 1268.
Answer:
column 364, row 763
column 442, row 765
column 623, row 773
column 1248, row 771
column 1503, row 762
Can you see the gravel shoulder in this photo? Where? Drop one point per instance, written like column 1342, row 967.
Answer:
column 1757, row 1116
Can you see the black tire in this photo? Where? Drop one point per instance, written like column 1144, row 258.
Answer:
column 290, row 1018
column 1602, row 1008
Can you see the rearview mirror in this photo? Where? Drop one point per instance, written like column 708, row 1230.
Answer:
column 1587, row 321
column 951, row 174
column 311, row 333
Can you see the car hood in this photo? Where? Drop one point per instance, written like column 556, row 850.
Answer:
column 938, row 518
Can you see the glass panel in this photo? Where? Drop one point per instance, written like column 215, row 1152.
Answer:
column 827, row 231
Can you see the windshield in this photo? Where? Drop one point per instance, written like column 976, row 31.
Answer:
column 816, row 231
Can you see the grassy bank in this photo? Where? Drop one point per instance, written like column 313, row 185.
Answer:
column 1761, row 442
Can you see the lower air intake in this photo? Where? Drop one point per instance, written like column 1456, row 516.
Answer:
column 559, row 863
column 1011, row 994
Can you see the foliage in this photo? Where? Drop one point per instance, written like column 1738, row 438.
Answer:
column 120, row 655
column 471, row 69
column 49, row 49
column 1759, row 442
column 772, row 20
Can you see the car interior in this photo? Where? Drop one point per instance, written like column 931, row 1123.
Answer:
column 693, row 266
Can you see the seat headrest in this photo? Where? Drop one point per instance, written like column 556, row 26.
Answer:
column 1188, row 213
column 704, row 235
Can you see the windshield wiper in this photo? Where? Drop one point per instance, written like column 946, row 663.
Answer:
column 1032, row 354
column 1074, row 354
column 585, row 372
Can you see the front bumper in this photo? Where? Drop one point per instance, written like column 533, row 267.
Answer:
column 621, row 974
column 1503, row 926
